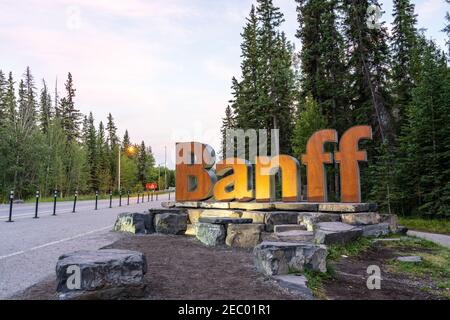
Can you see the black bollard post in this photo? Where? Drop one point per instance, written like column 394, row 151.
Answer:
column 128, row 199
column 55, row 195
column 37, row 204
column 96, row 200
column 11, row 199
column 152, row 196
column 75, row 201
column 169, row 195
column 138, row 197
column 143, row 195
column 110, row 198
column 120, row 198
column 148, row 196
column 157, row 196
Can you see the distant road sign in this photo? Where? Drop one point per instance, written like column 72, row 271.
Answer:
column 151, row 186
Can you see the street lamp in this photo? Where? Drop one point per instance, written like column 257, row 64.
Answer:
column 131, row 150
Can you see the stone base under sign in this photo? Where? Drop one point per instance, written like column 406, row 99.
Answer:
column 284, row 236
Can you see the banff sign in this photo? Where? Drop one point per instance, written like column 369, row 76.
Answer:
column 232, row 179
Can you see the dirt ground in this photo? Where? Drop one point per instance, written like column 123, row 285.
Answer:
column 350, row 278
column 180, row 267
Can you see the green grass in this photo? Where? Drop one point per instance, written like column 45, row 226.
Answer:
column 335, row 252
column 426, row 224
column 435, row 262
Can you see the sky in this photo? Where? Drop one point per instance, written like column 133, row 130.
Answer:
column 163, row 68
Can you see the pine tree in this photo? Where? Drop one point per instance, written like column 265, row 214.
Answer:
column 3, row 90
column 309, row 120
column 403, row 44
column 275, row 90
column 112, row 132
column 142, row 164
column 323, row 70
column 30, row 99
column 103, row 161
column 425, row 142
column 91, row 150
column 447, row 29
column 70, row 115
column 245, row 101
column 10, row 98
column 126, row 141
column 227, row 123
column 46, row 108
column 367, row 61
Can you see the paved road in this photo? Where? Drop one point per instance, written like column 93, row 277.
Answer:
column 441, row 239
column 29, row 248
column 26, row 210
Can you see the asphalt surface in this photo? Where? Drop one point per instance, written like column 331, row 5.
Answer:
column 29, row 248
column 441, row 239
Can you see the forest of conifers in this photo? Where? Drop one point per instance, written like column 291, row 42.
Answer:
column 347, row 71
column 47, row 144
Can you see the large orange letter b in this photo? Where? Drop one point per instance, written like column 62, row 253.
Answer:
column 194, row 180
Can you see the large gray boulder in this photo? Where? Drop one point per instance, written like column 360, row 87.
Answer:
column 244, row 235
column 336, row 233
column 361, row 218
column 311, row 220
column 101, row 274
column 376, row 230
column 392, row 219
column 295, row 283
column 134, row 223
column 210, row 234
column 295, row 235
column 279, row 217
column 224, row 220
column 277, row 258
column 170, row 223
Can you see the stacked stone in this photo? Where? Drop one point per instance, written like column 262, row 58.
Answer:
column 303, row 221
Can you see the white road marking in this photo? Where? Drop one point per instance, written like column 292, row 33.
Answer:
column 54, row 242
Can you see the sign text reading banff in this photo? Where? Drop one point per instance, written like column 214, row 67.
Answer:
column 233, row 178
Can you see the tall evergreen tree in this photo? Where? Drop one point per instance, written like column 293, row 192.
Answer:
column 10, row 101
column 126, row 141
column 142, row 164
column 367, row 61
column 70, row 115
column 425, row 142
column 3, row 90
column 112, row 132
column 46, row 108
column 323, row 70
column 447, row 29
column 275, row 91
column 403, row 43
column 227, row 123
column 103, row 160
column 92, row 158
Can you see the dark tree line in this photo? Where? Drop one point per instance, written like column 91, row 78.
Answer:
column 346, row 73
column 47, row 144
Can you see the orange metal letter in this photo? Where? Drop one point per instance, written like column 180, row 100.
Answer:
column 314, row 159
column 194, row 180
column 348, row 157
column 265, row 171
column 238, row 184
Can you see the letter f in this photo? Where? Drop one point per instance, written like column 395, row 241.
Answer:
column 314, row 159
column 348, row 157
